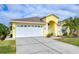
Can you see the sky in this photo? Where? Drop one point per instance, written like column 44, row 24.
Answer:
column 9, row 12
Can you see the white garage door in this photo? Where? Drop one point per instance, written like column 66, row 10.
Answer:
column 29, row 30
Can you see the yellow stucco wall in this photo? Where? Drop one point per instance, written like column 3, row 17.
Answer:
column 14, row 30
column 53, row 26
column 45, row 29
column 51, row 18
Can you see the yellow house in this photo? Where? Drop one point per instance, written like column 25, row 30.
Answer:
column 35, row 26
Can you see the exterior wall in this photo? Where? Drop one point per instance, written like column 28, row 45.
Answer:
column 59, row 33
column 45, row 30
column 51, row 18
column 53, row 24
column 55, row 29
column 14, row 30
column 51, row 27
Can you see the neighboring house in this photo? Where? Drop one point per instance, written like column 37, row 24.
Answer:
column 35, row 26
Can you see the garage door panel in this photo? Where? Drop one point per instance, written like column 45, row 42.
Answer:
column 29, row 31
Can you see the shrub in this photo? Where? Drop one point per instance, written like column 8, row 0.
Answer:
column 49, row 34
column 65, row 34
column 4, row 31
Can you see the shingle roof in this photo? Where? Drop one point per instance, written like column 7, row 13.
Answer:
column 34, row 19
column 31, row 19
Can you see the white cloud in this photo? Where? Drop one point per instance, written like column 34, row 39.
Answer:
column 11, row 15
column 21, row 11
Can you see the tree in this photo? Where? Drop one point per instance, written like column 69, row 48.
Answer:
column 72, row 24
column 76, row 25
column 68, row 23
column 4, row 31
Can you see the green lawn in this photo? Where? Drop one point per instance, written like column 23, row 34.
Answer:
column 8, row 47
column 74, row 41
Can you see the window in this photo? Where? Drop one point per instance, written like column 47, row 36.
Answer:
column 21, row 25
column 38, row 26
column 17, row 25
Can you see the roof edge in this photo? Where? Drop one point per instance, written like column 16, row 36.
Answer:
column 27, row 22
column 53, row 15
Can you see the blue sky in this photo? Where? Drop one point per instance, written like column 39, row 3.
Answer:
column 14, row 11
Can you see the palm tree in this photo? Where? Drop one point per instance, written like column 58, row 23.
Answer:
column 72, row 24
column 68, row 23
column 76, row 25
column 4, row 31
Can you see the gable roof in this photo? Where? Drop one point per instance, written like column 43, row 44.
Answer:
column 31, row 19
column 50, row 15
column 53, row 15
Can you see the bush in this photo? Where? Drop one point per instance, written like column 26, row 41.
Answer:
column 49, row 34
column 4, row 31
column 65, row 34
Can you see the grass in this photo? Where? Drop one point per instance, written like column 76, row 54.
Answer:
column 8, row 47
column 73, row 41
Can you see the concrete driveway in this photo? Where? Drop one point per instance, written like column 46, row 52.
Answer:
column 42, row 45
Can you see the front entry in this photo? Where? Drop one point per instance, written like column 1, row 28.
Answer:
column 52, row 28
